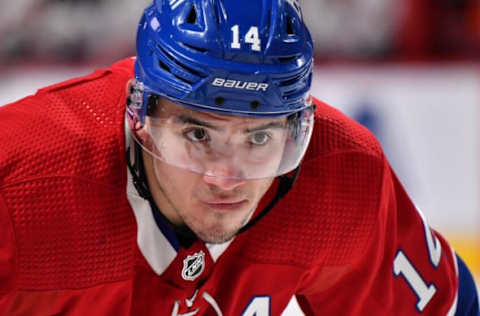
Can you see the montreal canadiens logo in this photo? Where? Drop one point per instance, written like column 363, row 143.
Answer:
column 193, row 266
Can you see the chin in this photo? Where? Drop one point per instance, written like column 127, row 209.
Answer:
column 218, row 228
column 219, row 240
column 217, row 237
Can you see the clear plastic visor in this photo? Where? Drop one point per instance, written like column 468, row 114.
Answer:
column 224, row 146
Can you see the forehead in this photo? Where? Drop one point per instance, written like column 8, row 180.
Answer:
column 167, row 109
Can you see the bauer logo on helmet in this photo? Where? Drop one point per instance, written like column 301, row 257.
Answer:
column 242, row 85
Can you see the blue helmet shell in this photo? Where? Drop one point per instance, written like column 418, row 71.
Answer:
column 249, row 57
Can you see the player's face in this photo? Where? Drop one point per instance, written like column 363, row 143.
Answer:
column 216, row 204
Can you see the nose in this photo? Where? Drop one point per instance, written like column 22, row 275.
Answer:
column 224, row 177
column 225, row 184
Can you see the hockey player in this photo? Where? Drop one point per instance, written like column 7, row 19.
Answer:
column 228, row 191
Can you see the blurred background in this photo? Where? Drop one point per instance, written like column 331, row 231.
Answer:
column 408, row 70
column 73, row 31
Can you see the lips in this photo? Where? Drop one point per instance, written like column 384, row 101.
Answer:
column 225, row 204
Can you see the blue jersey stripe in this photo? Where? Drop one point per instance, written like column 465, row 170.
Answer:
column 467, row 292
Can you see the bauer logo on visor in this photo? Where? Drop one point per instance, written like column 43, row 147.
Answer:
column 242, row 85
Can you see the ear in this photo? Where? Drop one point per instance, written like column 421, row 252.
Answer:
column 143, row 135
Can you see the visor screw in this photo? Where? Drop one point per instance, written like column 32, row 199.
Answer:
column 219, row 101
column 255, row 105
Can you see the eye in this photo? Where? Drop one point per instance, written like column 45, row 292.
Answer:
column 197, row 135
column 259, row 138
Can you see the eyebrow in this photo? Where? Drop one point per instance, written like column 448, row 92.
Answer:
column 185, row 119
column 275, row 124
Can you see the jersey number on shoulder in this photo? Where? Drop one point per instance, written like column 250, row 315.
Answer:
column 251, row 37
column 404, row 267
column 258, row 306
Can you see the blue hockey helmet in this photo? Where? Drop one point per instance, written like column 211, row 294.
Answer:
column 243, row 58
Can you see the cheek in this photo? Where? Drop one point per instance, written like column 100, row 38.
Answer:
column 177, row 183
column 260, row 187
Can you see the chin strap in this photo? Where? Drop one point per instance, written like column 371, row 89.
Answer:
column 140, row 182
column 137, row 170
column 285, row 185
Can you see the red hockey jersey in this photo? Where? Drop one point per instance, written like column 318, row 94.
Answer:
column 77, row 239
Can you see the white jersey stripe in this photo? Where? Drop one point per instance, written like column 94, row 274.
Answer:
column 453, row 308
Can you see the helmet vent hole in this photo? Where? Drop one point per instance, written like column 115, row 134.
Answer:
column 255, row 105
column 290, row 29
column 192, row 16
column 164, row 66
column 287, row 59
column 219, row 101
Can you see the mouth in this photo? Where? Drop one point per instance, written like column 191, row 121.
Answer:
column 223, row 205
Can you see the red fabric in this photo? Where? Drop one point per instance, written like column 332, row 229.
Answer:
column 68, row 236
